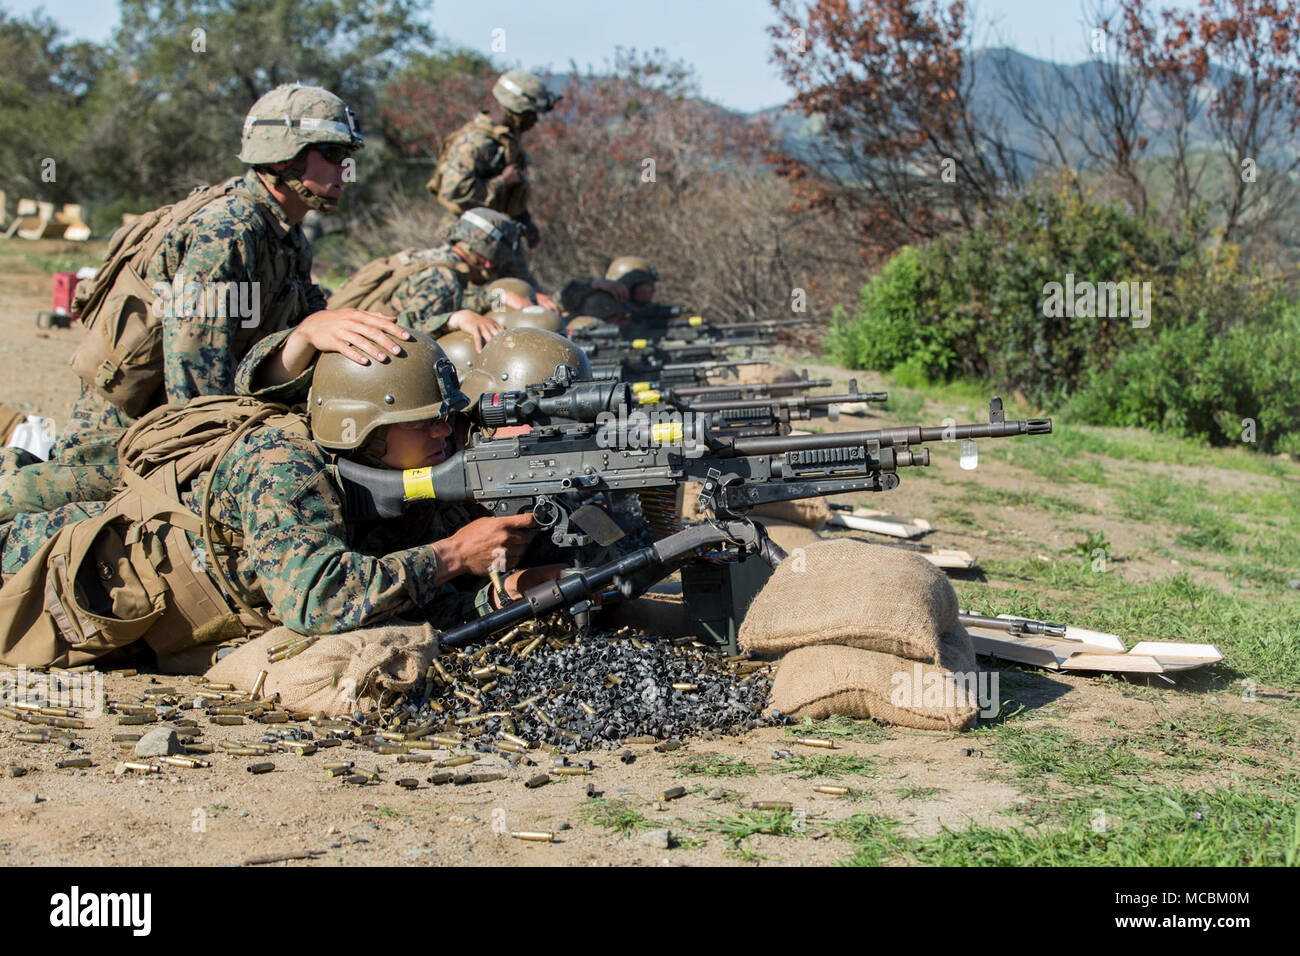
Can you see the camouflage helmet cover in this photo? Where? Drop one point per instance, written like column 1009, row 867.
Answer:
column 488, row 233
column 292, row 117
column 348, row 401
column 522, row 92
column 631, row 271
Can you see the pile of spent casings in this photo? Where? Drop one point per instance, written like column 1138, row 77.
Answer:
column 548, row 685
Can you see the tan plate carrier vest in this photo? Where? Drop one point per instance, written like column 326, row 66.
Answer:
column 516, row 201
column 120, row 355
column 372, row 286
column 129, row 573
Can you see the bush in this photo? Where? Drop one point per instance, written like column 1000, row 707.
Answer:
column 1221, row 345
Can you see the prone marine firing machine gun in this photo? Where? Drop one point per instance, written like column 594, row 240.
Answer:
column 555, row 471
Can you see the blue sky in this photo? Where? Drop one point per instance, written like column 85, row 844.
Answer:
column 725, row 40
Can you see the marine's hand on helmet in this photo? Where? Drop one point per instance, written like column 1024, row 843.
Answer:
column 617, row 289
column 361, row 336
column 481, row 327
column 546, row 302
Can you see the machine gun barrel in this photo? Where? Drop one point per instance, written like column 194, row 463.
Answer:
column 887, row 437
column 726, row 392
column 801, row 401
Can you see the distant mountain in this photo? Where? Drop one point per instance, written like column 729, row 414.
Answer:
column 1045, row 82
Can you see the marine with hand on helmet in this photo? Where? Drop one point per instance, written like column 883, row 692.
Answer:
column 483, row 163
column 305, row 554
column 425, row 289
column 508, row 292
column 629, row 284
column 211, row 296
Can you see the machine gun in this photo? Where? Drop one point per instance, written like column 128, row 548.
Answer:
column 643, row 350
column 692, row 329
column 771, row 415
column 554, row 470
column 649, row 372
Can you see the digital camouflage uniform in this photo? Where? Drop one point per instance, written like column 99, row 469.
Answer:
column 223, row 243
column 470, row 167
column 319, row 571
column 427, row 299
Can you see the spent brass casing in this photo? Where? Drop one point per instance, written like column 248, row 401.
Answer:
column 686, row 686
column 671, row 794
column 198, row 748
column 408, row 783
column 304, row 750
column 72, row 723
column 517, row 741
column 508, row 747
column 448, row 740
column 190, row 762
column 420, row 744
column 570, row 771
column 266, row 767
column 358, row 778
column 73, row 762
column 815, row 742
column 771, row 805
column 535, row 836
column 212, row 685
column 120, row 737
column 141, row 767
column 485, row 777
column 541, row 780
column 276, row 717
column 257, row 686
column 58, row 712
column 223, row 720
column 458, row 761
column 33, row 738
column 668, row 745
column 246, row 751
column 387, row 749
column 833, row 791
column 10, row 713
column 414, row 758
column 329, row 742
column 525, row 704
column 440, row 778
column 442, row 672
column 640, row 740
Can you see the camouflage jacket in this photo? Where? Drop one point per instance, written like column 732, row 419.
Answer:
column 426, row 300
column 318, row 570
column 229, row 245
column 470, row 166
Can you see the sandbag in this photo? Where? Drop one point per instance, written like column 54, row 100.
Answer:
column 817, row 682
column 810, row 512
column 841, row 591
column 338, row 674
column 769, row 372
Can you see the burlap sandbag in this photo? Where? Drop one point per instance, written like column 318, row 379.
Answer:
column 841, row 591
column 769, row 372
column 338, row 674
column 817, row 682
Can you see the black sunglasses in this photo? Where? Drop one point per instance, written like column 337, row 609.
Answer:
column 332, row 153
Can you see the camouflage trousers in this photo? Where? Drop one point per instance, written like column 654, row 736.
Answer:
column 82, row 467
column 27, row 534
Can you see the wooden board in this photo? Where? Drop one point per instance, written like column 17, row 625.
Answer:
column 1084, row 650
column 881, row 522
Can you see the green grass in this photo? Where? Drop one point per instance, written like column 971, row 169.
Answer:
column 979, row 495
column 833, row 766
column 715, row 765
column 618, row 815
column 918, row 793
column 837, row 727
column 1037, row 753
column 747, row 823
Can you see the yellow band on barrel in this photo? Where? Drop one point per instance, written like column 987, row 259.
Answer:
column 417, row 484
column 640, row 386
column 650, row 397
column 639, row 343
column 666, row 433
column 695, row 320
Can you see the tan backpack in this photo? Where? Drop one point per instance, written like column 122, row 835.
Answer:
column 121, row 354
column 371, row 286
column 127, row 574
column 481, row 123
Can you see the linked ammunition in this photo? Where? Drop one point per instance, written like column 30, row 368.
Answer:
column 260, row 767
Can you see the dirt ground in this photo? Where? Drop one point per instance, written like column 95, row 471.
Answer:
column 225, row 815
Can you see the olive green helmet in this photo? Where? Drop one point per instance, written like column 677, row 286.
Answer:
column 522, row 92
column 348, row 401
column 292, row 117
column 631, row 271
column 584, row 322
column 521, row 357
column 459, row 347
column 516, row 286
column 488, row 233
column 532, row 317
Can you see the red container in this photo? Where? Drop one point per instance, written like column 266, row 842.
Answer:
column 65, row 285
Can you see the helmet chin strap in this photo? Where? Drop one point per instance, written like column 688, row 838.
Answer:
column 291, row 177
